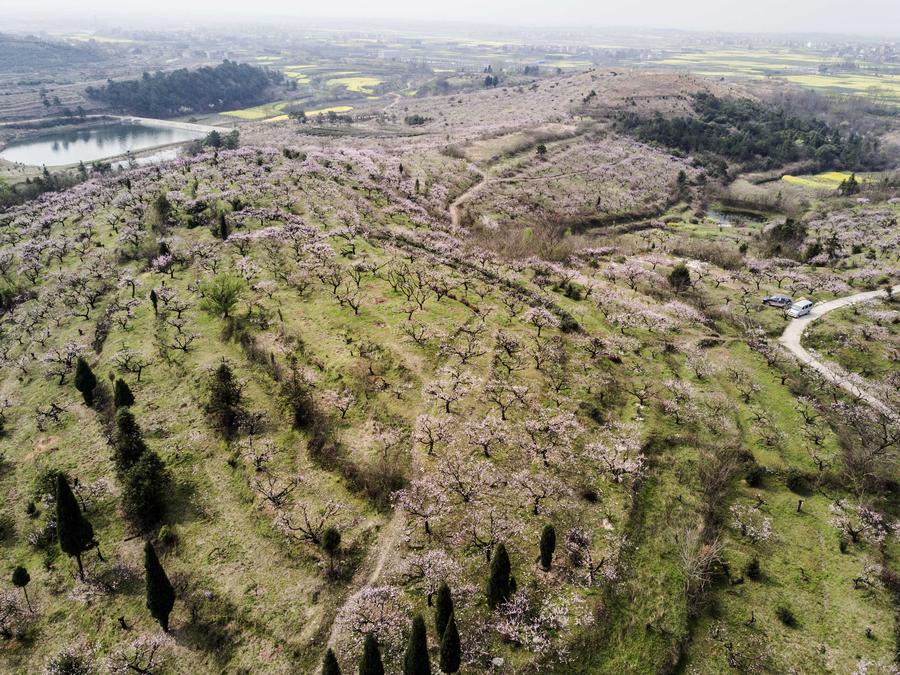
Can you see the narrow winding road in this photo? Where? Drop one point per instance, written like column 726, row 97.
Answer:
column 793, row 333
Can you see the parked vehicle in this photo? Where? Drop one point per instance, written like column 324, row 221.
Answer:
column 800, row 308
column 777, row 301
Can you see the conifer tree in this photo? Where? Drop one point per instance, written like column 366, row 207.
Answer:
column 370, row 661
column 451, row 655
column 128, row 441
column 224, row 406
column 331, row 542
column 74, row 531
column 122, row 396
column 223, row 229
column 85, row 381
column 143, row 492
column 548, row 546
column 160, row 594
column 20, row 579
column 416, row 661
column 443, row 609
column 154, row 300
column 330, row 664
column 499, row 586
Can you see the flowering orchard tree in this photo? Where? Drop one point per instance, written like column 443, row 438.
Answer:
column 452, row 385
column 380, row 611
column 862, row 523
column 60, row 361
column 422, row 499
column 751, row 523
column 540, row 318
column 428, row 570
column 487, row 434
column 583, row 559
column 552, row 436
column 483, row 526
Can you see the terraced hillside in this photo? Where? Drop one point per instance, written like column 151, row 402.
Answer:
column 342, row 400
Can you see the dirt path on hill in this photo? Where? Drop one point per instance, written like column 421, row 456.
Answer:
column 793, row 334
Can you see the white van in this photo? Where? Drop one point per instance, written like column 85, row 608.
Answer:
column 800, row 308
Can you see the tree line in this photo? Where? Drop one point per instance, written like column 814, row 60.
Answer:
column 207, row 89
column 756, row 135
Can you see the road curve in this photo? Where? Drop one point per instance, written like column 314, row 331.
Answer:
column 793, row 333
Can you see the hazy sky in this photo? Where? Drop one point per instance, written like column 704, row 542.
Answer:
column 873, row 17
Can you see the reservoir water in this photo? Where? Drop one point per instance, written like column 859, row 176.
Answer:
column 71, row 146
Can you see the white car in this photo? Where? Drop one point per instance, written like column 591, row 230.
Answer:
column 800, row 308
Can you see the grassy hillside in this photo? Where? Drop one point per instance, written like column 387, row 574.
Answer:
column 429, row 400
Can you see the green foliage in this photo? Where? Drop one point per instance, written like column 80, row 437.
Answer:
column 756, row 135
column 297, row 398
column 225, row 406
column 451, row 653
column 786, row 238
column 74, row 532
column 680, row 277
column 416, row 120
column 548, row 546
column 159, row 591
column 331, row 540
column 755, row 475
column 330, row 664
column 753, row 570
column 499, row 586
column 443, row 609
column 143, row 492
column 20, row 577
column 221, row 294
column 122, row 396
column 849, row 186
column 208, row 89
column 370, row 661
column 216, row 140
column 331, row 543
column 798, row 481
column 416, row 661
column 128, row 441
column 85, row 381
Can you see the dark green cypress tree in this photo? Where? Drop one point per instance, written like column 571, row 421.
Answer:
column 154, row 300
column 331, row 542
column 498, row 587
column 224, row 406
column 223, row 229
column 85, row 381
column 443, row 609
column 416, row 661
column 74, row 531
column 20, row 579
column 330, row 664
column 128, row 441
column 680, row 277
column 548, row 546
column 370, row 661
column 160, row 594
column 143, row 492
column 451, row 654
column 122, row 396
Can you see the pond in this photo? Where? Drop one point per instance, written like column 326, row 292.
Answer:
column 71, row 146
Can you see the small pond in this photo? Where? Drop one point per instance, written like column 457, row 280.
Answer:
column 70, row 146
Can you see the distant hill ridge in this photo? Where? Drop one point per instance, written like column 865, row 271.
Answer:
column 30, row 53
